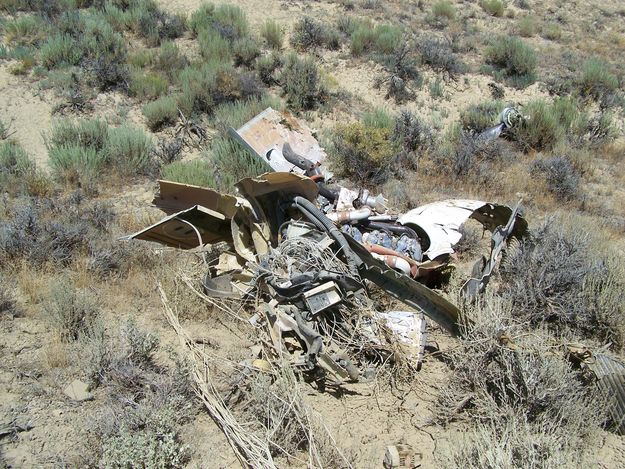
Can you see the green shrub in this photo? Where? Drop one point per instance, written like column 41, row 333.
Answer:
column 155, row 25
column 362, row 153
column 233, row 162
column 479, row 117
column 27, row 30
column 560, row 175
column 444, row 9
column 439, row 55
column 17, row 169
column 169, row 59
column 142, row 58
column 196, row 172
column 147, row 85
column 527, row 26
column 273, row 34
column 106, row 52
column 596, row 80
column 128, row 150
column 83, row 133
column 388, row 37
column 245, row 51
column 301, row 84
column 552, row 31
column 162, row 112
column 542, row 131
column 213, row 47
column 202, row 18
column 237, row 113
column 493, row 7
column 266, row 67
column 75, row 165
column 230, row 21
column 362, row 40
column 516, row 59
column 379, row 118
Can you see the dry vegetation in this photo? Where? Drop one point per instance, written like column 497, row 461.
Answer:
column 139, row 89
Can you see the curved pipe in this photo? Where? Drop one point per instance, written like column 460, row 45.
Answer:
column 350, row 215
column 310, row 211
column 395, row 262
column 382, row 251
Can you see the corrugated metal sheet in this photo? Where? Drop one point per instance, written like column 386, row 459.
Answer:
column 610, row 375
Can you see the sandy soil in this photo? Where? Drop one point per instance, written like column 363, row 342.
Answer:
column 29, row 112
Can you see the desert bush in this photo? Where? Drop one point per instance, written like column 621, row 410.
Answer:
column 198, row 172
column 162, row 112
column 147, row 85
column 514, row 58
column 15, row 166
column 142, row 58
column 527, row 26
column 76, row 165
column 228, row 20
column 237, row 113
column 361, row 153
column 479, row 117
column 307, row 34
column 27, row 30
column 383, row 39
column 213, row 46
column 155, row 25
column 301, row 83
column 266, row 67
column 444, row 9
column 60, row 50
column 560, row 175
column 440, row 57
column 378, row 118
column 245, row 51
column 272, row 33
column 233, row 162
column 105, row 54
column 536, row 408
column 542, row 131
column 347, row 24
column 469, row 156
column 558, row 279
column 493, row 7
column 128, row 150
column 596, row 81
column 552, row 31
column 70, row 311
column 88, row 133
column 169, row 59
column 210, row 84
column 412, row 134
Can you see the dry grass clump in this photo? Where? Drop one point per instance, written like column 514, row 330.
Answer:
column 70, row 311
column 493, row 7
column 518, row 393
column 138, row 425
column 560, row 175
column 559, row 279
column 440, row 57
column 273, row 34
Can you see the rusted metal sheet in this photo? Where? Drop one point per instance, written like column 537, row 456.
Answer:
column 266, row 134
column 188, row 229
column 174, row 197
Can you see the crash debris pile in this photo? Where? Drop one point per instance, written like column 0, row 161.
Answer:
column 308, row 252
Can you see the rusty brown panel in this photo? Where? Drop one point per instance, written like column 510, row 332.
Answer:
column 174, row 197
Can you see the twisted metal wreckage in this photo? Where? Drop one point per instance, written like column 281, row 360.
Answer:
column 306, row 250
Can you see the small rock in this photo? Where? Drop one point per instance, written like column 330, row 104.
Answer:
column 78, row 391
